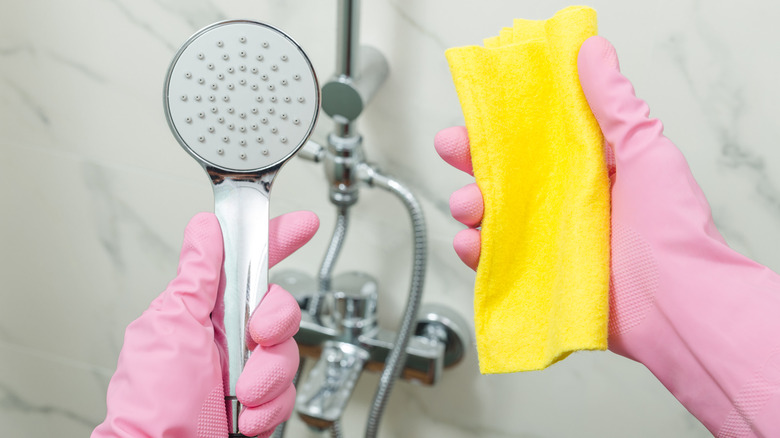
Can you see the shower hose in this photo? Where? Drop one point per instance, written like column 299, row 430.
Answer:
column 397, row 356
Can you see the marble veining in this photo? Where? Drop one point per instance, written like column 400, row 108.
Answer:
column 11, row 401
column 421, row 29
column 29, row 102
column 111, row 215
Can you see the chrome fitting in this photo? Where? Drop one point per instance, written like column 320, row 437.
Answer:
column 341, row 159
column 345, row 97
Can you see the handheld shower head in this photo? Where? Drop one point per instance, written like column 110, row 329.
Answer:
column 241, row 97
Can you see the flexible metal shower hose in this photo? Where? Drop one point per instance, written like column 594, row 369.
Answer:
column 329, row 262
column 397, row 356
column 326, row 275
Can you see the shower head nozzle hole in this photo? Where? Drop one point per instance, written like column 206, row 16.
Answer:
column 220, row 44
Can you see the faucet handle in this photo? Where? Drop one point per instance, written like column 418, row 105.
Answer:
column 353, row 310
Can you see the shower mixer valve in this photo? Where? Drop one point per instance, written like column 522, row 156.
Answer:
column 347, row 340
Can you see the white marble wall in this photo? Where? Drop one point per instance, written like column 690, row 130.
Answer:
column 95, row 192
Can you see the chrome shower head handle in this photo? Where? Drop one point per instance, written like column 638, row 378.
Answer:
column 241, row 97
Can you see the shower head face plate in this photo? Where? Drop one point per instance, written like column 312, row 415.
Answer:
column 241, row 96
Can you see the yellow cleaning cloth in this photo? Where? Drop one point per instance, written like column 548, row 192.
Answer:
column 543, row 278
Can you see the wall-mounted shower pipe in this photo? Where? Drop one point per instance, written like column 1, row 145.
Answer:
column 397, row 356
column 348, row 37
column 329, row 262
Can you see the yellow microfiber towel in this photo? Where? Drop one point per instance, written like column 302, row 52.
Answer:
column 543, row 278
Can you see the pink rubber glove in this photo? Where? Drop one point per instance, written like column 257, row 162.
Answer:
column 168, row 381
column 703, row 318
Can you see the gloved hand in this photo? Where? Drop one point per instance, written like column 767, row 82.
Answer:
column 168, row 381
column 703, row 318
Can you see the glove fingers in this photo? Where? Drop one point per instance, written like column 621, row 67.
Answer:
column 452, row 144
column 468, row 246
column 289, row 232
column 623, row 117
column 264, row 418
column 268, row 373
column 466, row 205
column 276, row 319
column 200, row 266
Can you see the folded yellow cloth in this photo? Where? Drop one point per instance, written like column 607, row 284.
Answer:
column 542, row 283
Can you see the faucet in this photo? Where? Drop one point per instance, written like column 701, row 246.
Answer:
column 339, row 327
